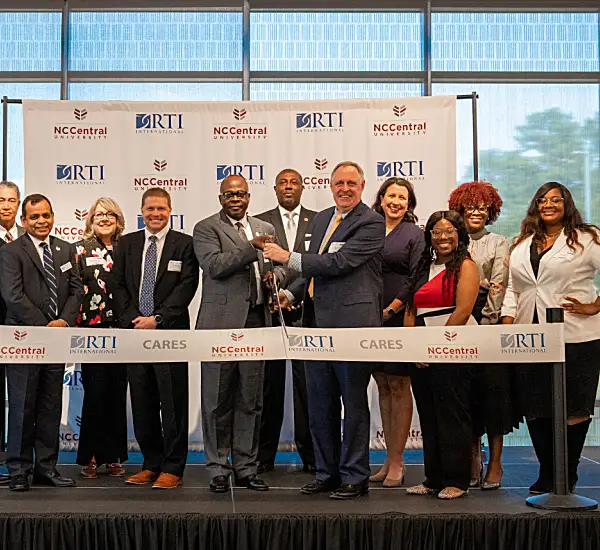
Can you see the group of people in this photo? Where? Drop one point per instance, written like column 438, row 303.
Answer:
column 348, row 266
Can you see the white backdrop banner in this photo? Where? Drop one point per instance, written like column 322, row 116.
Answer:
column 78, row 151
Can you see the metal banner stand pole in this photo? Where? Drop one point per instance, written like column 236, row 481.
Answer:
column 561, row 498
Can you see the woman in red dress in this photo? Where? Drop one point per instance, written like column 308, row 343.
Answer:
column 446, row 288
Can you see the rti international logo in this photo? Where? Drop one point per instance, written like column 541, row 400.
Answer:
column 319, row 179
column 80, row 128
column 411, row 170
column 400, row 124
column 235, row 349
column 70, row 231
column 240, row 127
column 324, row 121
column 321, row 344
column 254, row 174
column 523, row 343
column 176, row 222
column 159, row 175
column 93, row 344
column 159, row 123
column 451, row 349
column 21, row 349
column 80, row 174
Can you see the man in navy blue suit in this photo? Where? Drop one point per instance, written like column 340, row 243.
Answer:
column 341, row 287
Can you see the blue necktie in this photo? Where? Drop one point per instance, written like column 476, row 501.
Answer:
column 51, row 280
column 149, row 279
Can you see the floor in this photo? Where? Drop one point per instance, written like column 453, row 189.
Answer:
column 110, row 495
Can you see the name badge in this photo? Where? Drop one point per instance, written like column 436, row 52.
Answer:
column 94, row 261
column 174, row 265
column 66, row 267
column 334, row 247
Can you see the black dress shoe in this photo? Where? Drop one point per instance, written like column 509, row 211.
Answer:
column 19, row 483
column 348, row 491
column 265, row 467
column 52, row 479
column 219, row 484
column 541, row 486
column 252, row 482
column 309, row 469
column 320, row 486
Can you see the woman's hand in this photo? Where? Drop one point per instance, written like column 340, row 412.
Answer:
column 577, row 308
column 422, row 365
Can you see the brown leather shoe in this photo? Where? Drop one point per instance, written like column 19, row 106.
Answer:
column 115, row 469
column 167, row 481
column 143, row 478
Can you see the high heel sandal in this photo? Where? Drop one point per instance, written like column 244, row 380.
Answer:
column 452, row 493
column 477, row 482
column 90, row 471
column 420, row 490
column 487, row 486
column 389, row 482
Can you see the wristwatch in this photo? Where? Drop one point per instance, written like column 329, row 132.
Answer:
column 390, row 312
column 158, row 319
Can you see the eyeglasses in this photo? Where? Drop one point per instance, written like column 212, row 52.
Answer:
column 439, row 233
column 101, row 215
column 541, row 201
column 228, row 195
column 477, row 209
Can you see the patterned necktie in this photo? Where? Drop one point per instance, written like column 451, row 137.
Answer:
column 253, row 290
column 324, row 243
column 9, row 237
column 149, row 278
column 51, row 280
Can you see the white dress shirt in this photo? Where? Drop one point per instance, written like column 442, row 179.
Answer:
column 160, row 244
column 14, row 232
column 249, row 236
column 36, row 242
column 290, row 232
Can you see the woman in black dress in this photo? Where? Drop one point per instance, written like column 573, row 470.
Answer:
column 404, row 243
column 103, row 435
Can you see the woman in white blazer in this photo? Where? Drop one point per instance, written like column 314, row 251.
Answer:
column 553, row 264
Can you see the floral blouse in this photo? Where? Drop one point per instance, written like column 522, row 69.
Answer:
column 95, row 265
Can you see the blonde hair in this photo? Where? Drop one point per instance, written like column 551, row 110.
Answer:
column 339, row 165
column 110, row 205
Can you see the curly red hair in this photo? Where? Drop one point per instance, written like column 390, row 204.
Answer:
column 474, row 193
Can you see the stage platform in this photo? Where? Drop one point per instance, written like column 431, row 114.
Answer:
column 106, row 514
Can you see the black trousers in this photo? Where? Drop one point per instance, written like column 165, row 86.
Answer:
column 103, row 433
column 442, row 393
column 159, row 404
column 35, row 404
column 273, row 411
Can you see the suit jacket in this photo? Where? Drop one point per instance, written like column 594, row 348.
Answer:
column 20, row 232
column 348, row 283
column 25, row 289
column 173, row 290
column 226, row 261
column 563, row 272
column 304, row 219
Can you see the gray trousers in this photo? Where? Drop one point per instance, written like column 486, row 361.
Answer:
column 231, row 407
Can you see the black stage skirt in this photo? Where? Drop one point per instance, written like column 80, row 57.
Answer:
column 534, row 382
column 393, row 369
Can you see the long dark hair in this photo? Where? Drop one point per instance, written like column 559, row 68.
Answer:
column 533, row 224
column 453, row 266
column 409, row 216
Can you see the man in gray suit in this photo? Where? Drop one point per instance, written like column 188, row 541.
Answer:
column 228, row 246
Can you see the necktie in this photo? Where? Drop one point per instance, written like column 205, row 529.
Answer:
column 9, row 237
column 291, row 222
column 253, row 290
column 149, row 278
column 324, row 243
column 51, row 280
column 290, row 229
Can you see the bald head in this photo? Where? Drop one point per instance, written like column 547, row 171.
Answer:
column 234, row 197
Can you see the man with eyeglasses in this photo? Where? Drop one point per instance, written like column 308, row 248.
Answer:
column 229, row 247
column 10, row 200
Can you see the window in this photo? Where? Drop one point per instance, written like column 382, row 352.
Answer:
column 30, row 41
column 336, row 41
column 156, row 41
column 282, row 91
column 157, row 91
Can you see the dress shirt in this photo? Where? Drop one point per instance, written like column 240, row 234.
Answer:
column 290, row 234
column 40, row 251
column 14, row 232
column 295, row 261
column 160, row 244
column 249, row 236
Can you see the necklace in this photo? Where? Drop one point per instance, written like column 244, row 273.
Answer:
column 552, row 235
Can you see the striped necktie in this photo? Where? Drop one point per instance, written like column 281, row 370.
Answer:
column 324, row 243
column 51, row 280
column 9, row 237
column 149, row 278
